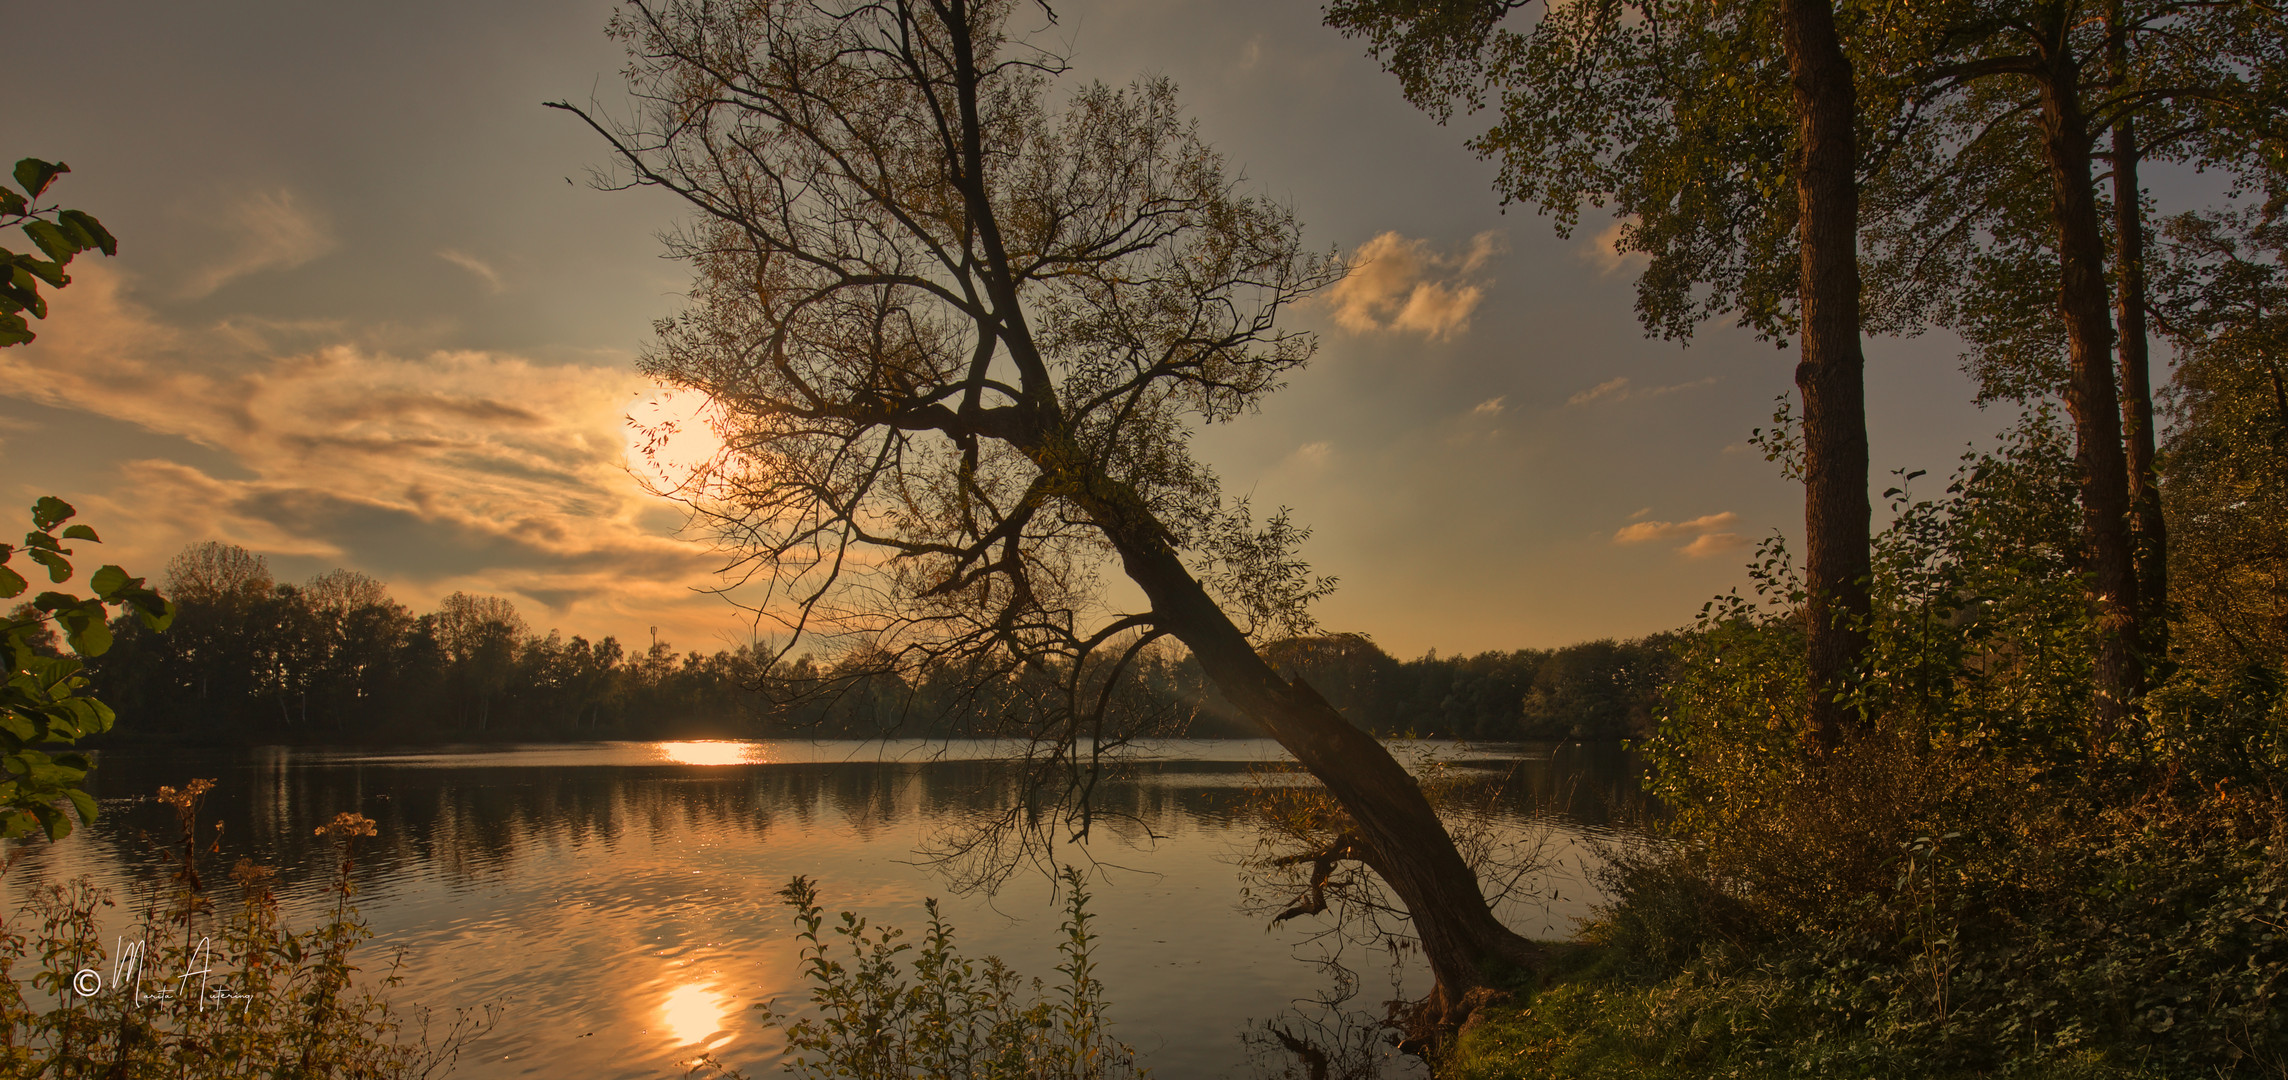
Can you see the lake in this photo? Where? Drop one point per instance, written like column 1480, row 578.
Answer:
column 618, row 900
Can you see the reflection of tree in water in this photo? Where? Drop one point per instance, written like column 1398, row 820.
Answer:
column 1329, row 1036
column 470, row 823
column 1308, row 863
column 1513, row 821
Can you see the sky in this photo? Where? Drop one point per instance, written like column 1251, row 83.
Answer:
column 367, row 312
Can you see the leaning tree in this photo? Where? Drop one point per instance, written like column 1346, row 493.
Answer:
column 955, row 336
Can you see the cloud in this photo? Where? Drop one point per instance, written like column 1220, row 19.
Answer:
column 1312, row 454
column 1620, row 390
column 1251, row 52
column 1605, row 249
column 435, row 471
column 1489, row 407
column 1664, row 530
column 482, row 269
column 1713, row 544
column 1603, row 389
column 269, row 231
column 1709, row 533
column 1397, row 285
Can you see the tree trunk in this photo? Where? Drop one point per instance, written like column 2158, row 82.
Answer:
column 2090, row 393
column 1409, row 847
column 1832, row 375
column 2150, row 546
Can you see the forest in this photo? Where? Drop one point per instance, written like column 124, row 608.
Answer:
column 335, row 659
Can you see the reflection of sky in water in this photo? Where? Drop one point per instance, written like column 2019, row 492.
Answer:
column 620, row 898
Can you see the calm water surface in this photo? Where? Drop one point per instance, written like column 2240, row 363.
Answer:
column 618, row 899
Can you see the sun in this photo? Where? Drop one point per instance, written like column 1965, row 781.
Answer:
column 674, row 440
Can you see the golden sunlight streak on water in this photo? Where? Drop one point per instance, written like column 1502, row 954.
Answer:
column 711, row 752
column 694, row 1016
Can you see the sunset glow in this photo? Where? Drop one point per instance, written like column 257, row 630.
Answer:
column 672, row 440
column 712, row 752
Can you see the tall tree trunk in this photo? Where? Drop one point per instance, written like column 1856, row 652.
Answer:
column 2150, row 542
column 1832, row 375
column 1408, row 847
column 2090, row 393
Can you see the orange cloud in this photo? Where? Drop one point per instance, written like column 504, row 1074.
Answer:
column 1607, row 248
column 1713, row 544
column 1620, row 390
column 1663, row 530
column 1397, row 285
column 435, row 471
column 1710, row 535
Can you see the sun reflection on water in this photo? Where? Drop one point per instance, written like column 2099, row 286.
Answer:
column 711, row 752
column 694, row 1015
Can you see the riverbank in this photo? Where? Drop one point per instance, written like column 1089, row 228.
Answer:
column 2044, row 938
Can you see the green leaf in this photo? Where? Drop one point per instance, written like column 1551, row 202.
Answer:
column 82, row 532
column 99, row 237
column 34, row 175
column 108, row 581
column 83, row 803
column 12, row 203
column 50, row 272
column 59, row 568
column 57, row 243
column 12, row 584
column 88, row 635
column 24, row 292
column 50, row 511
column 53, row 821
column 14, row 330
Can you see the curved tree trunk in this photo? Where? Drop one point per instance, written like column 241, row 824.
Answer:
column 1408, row 846
column 2090, row 392
column 1832, row 376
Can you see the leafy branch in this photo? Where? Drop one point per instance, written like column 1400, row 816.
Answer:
column 58, row 233
column 41, row 704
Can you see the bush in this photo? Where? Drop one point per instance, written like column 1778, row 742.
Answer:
column 171, row 1003
column 948, row 1017
column 1981, row 880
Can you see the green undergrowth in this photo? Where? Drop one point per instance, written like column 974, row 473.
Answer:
column 2149, row 941
column 1984, row 872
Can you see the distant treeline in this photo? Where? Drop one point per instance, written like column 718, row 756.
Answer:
column 336, row 659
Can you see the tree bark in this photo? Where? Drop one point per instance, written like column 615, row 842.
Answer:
column 2090, row 392
column 1409, row 846
column 2150, row 540
column 1832, row 374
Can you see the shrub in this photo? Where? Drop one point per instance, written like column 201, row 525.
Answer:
column 947, row 1017
column 197, row 995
